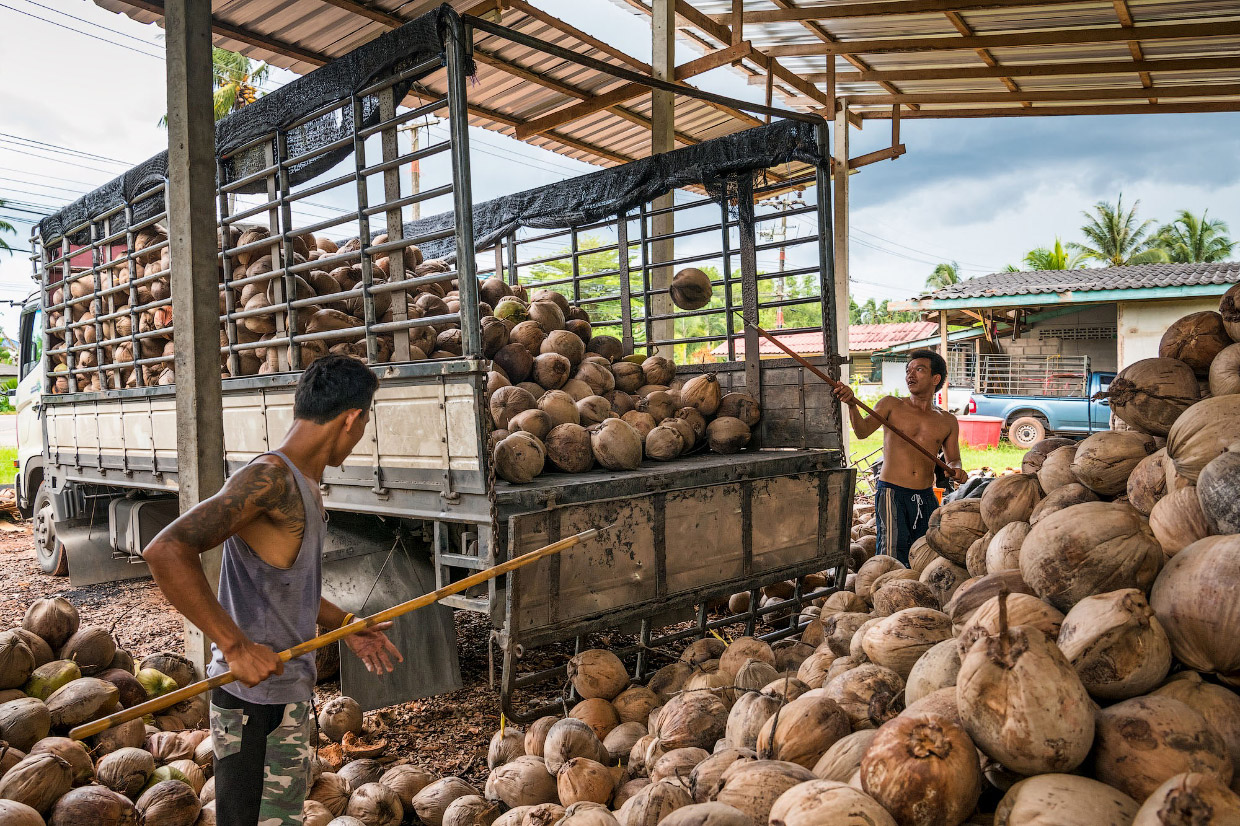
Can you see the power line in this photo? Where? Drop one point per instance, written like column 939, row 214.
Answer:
column 78, row 31
column 39, row 174
column 45, row 186
column 141, row 40
column 10, row 138
column 29, row 152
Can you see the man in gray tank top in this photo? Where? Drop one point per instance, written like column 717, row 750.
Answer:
column 270, row 519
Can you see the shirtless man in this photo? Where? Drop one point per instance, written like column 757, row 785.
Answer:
column 270, row 519
column 905, row 499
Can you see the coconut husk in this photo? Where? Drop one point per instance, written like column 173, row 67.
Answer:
column 432, row 802
column 126, row 770
column 1189, row 798
column 93, row 804
column 1148, row 481
column 1104, row 461
column 16, row 660
column 827, row 803
column 935, row 669
column 1202, row 433
column 1218, row 705
column 23, row 722
column 1150, row 394
column 1087, row 549
column 332, row 791
column 597, row 673
column 360, row 772
column 1010, row 498
column 1116, row 645
column 923, row 770
column 1065, row 800
column 1195, row 340
column 954, row 527
column 39, row 648
column 840, row 628
column 871, row 571
column 1036, row 455
column 707, row 814
column 1003, row 552
column 569, row 738
column 754, row 786
column 619, row 741
column 1178, row 521
column 1216, row 487
column 54, row 619
column 38, row 780
column 1144, row 741
column 692, row 719
column 1225, row 372
column 1056, row 470
column 1022, row 609
column 869, row 694
column 898, row 641
column 677, row 765
column 843, row 759
column 803, row 730
column 377, row 805
column 1195, row 602
column 522, row 781
column 897, row 595
column 13, row 813
column 944, row 577
column 704, row 779
column 72, row 752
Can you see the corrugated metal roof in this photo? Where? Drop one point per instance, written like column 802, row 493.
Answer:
column 1049, row 282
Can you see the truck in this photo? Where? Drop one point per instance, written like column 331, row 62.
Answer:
column 1040, row 396
column 316, row 189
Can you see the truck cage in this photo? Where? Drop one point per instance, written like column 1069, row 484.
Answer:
column 106, row 342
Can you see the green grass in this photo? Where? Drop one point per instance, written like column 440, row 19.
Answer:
column 8, row 455
column 996, row 458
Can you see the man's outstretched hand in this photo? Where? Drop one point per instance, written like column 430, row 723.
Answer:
column 845, row 393
column 374, row 649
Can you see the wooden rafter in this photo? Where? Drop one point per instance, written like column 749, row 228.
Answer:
column 1048, row 95
column 1107, row 67
column 1134, row 47
column 1054, row 111
column 1055, row 37
column 886, row 8
column 274, row 44
column 989, row 59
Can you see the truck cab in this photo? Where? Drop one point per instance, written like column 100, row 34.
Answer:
column 33, row 496
column 1066, row 404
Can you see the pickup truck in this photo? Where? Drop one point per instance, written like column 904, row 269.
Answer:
column 1062, row 411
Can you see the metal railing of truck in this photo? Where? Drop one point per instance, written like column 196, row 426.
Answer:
column 1021, row 375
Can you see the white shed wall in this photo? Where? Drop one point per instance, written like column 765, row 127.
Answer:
column 1141, row 324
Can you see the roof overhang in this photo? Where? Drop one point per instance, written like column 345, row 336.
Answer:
column 935, row 305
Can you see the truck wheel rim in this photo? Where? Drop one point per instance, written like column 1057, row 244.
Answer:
column 43, row 527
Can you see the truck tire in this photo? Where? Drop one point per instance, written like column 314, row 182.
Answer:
column 49, row 551
column 1026, row 431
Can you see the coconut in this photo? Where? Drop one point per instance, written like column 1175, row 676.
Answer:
column 507, row 402
column 748, row 716
column 155, row 683
column 515, row 360
column 72, row 752
column 569, row 738
column 1116, row 645
column 359, row 772
column 1036, row 455
column 727, row 435
column 703, row 394
column 519, row 457
column 1219, row 706
column 705, row 777
column 813, row 670
column 975, row 557
column 941, row 702
column 584, row 779
column 839, row 630
column 546, row 814
column 16, row 660
column 616, row 445
column 82, row 701
column 1056, row 470
column 568, row 448
column 493, row 289
column 560, row 407
column 330, row 790
column 803, row 730
column 597, row 673
column 653, row 803
column 1064, row 800
column 753, row 675
column 1003, row 552
column 1089, row 548
column 54, row 619
column 944, row 577
column 660, row 405
column 742, row 649
column 1202, row 433
column 126, row 735
column 828, row 803
column 1065, row 496
column 93, row 804
column 1216, row 491
column 126, row 770
column 433, row 801
column 1225, row 372
column 954, row 527
column 934, row 670
column 1178, row 521
column 1195, row 340
column 753, row 786
column 1010, row 498
column 39, row 649
column 1189, row 798
column 536, row 735
column 38, row 780
column 376, row 805
column 534, row 422
column 1104, row 461
column 598, row 714
column 47, row 678
column 339, row 716
column 191, row 772
column 664, row 444
column 564, row 343
column 1146, row 740
column 707, row 814
column 873, row 568
column 691, row 719
column 690, row 289
column 131, row 692
column 634, row 704
column 551, row 370
column 1022, row 702
column 1195, row 603
column 406, row 781
column 546, row 313
column 923, row 770
column 1022, row 609
column 741, row 406
column 1148, row 481
column 13, row 813
column 1150, row 394
column 669, row 679
column 620, row 740
column 313, row 813
column 898, row 641
column 506, row 745
column 869, row 694
column 659, row 370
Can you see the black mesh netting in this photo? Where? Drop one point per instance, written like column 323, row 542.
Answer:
column 716, row 165
column 415, row 42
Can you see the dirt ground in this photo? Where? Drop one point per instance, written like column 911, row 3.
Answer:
column 447, row 734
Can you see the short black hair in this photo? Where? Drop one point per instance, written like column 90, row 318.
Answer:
column 332, row 385
column 938, row 367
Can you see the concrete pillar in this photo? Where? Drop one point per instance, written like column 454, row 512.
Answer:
column 662, row 139
column 943, row 353
column 195, row 283
column 839, row 221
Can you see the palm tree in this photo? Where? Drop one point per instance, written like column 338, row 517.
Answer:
column 1055, row 258
column 944, row 275
column 5, row 226
column 1192, row 240
column 235, row 77
column 1117, row 238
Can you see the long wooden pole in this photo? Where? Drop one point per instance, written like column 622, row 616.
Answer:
column 881, row 418
column 194, row 689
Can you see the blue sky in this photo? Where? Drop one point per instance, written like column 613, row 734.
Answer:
column 980, row 192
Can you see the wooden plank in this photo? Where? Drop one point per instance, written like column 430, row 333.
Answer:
column 1056, row 37
column 889, row 153
column 1057, row 111
column 889, row 8
column 365, row 10
column 1074, row 69
column 629, row 91
column 1052, row 95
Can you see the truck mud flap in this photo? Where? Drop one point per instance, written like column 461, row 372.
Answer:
column 367, row 568
column 91, row 558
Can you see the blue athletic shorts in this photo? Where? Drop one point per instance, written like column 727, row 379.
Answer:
column 903, row 514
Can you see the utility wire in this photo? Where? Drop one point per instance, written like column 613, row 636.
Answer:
column 79, row 31
column 10, row 138
column 141, row 40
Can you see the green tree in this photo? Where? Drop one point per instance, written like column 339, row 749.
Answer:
column 876, row 312
column 1054, row 258
column 1190, row 239
column 944, row 275
column 5, row 227
column 235, row 78
column 1117, row 238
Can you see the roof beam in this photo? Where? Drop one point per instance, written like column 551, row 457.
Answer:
column 887, row 8
column 629, row 91
column 1134, row 47
column 364, row 10
column 1052, row 95
column 989, row 59
column 1056, row 111
column 1108, row 67
column 1058, row 37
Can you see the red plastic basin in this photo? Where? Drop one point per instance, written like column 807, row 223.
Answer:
column 980, row 431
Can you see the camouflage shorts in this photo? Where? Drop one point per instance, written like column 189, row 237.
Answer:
column 286, row 756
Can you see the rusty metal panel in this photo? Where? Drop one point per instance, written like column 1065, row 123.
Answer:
column 787, row 510
column 703, row 537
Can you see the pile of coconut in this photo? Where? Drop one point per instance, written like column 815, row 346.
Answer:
column 1063, row 650
column 55, row 674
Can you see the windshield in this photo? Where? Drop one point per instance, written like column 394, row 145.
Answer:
column 31, row 343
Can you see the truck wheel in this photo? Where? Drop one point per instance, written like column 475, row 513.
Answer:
column 49, row 551
column 1026, row 431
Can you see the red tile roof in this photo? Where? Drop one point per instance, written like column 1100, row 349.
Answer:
column 861, row 338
